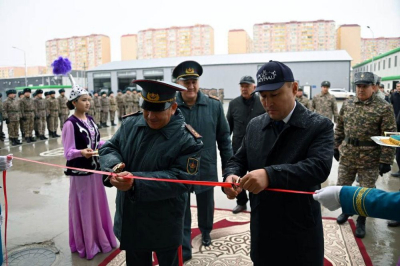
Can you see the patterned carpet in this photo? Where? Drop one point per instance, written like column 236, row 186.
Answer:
column 231, row 243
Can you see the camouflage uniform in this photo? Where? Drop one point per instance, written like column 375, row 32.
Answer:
column 120, row 103
column 113, row 109
column 12, row 115
column 91, row 111
column 97, row 109
column 128, row 103
column 304, row 101
column 40, row 113
column 54, row 111
column 28, row 115
column 135, row 98
column 1, row 118
column 64, row 111
column 325, row 104
column 358, row 122
column 105, row 108
column 47, row 100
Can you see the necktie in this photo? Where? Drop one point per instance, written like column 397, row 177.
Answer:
column 279, row 125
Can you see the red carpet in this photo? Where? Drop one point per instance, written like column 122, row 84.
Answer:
column 231, row 243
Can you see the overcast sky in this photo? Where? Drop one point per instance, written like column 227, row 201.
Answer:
column 27, row 24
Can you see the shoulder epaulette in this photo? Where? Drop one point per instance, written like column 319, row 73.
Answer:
column 192, row 131
column 132, row 114
column 213, row 97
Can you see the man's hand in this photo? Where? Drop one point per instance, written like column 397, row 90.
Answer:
column 230, row 192
column 87, row 153
column 383, row 168
column 336, row 154
column 329, row 197
column 122, row 183
column 255, row 181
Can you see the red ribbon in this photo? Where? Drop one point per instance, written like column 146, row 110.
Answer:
column 189, row 182
column 6, row 216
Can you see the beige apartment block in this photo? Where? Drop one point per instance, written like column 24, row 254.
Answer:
column 84, row 52
column 294, row 36
column 176, row 41
column 239, row 42
column 129, row 47
column 16, row 72
column 371, row 47
column 348, row 37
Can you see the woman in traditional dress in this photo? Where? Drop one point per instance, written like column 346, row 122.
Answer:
column 90, row 226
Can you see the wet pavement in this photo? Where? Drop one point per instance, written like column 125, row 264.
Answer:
column 38, row 205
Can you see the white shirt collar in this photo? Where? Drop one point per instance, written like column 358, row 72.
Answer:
column 286, row 119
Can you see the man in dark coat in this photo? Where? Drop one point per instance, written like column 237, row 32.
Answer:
column 240, row 111
column 289, row 147
column 206, row 115
column 395, row 101
column 156, row 143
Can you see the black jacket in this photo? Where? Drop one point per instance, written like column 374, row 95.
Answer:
column 150, row 217
column 300, row 158
column 240, row 112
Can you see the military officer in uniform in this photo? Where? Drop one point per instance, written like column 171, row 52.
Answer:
column 156, row 143
column 12, row 115
column 120, row 103
column 135, row 97
column 302, row 99
column 47, row 100
column 360, row 118
column 325, row 103
column 91, row 111
column 21, row 124
column 28, row 116
column 1, row 118
column 53, row 111
column 62, row 103
column 40, row 114
column 113, row 107
column 206, row 115
column 97, row 109
column 240, row 111
column 128, row 101
column 105, row 108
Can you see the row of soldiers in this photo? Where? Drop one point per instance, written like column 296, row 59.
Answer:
column 27, row 114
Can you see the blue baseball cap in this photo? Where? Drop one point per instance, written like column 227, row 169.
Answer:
column 272, row 76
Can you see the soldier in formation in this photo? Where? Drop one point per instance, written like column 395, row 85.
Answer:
column 303, row 99
column 12, row 116
column 325, row 103
column 40, row 114
column 97, row 109
column 53, row 110
column 105, row 108
column 120, row 104
column 360, row 118
column 128, row 101
column 91, row 111
column 135, row 97
column 21, row 126
column 62, row 103
column 2, row 136
column 27, row 115
column 113, row 107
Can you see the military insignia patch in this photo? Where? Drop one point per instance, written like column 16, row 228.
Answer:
column 153, row 97
column 192, row 166
column 189, row 71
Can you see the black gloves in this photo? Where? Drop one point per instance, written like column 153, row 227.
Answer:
column 383, row 168
column 336, row 154
column 7, row 121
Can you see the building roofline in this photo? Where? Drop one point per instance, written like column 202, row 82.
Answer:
column 73, row 37
column 293, row 22
column 176, row 27
column 380, row 38
column 128, row 35
column 377, row 57
column 349, row 25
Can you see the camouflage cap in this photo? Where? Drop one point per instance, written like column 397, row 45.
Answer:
column 364, row 78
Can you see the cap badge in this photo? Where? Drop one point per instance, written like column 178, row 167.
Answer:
column 266, row 75
column 153, row 97
column 189, row 70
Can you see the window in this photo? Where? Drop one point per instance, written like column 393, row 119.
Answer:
column 384, row 64
column 379, row 66
column 395, row 61
column 374, row 67
column 390, row 59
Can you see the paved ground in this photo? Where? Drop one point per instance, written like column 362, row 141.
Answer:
column 38, row 205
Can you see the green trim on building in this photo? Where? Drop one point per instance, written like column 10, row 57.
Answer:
column 45, row 87
column 390, row 78
column 377, row 57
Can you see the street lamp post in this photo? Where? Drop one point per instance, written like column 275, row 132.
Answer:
column 26, row 72
column 373, row 37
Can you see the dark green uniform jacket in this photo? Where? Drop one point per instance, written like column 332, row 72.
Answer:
column 150, row 216
column 208, row 119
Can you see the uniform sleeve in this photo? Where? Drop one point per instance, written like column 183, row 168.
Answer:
column 223, row 137
column 144, row 190
column 5, row 110
column 388, row 124
column 370, row 202
column 312, row 104
column 237, row 164
column 229, row 118
column 339, row 130
column 334, row 109
column 68, row 139
column 22, row 108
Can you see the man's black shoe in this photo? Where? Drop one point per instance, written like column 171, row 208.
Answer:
column 206, row 239
column 239, row 208
column 32, row 139
column 28, row 140
column 342, row 218
column 395, row 174
column 393, row 223
column 42, row 137
column 185, row 259
column 55, row 134
column 360, row 227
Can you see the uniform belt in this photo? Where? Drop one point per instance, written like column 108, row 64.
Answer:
column 12, row 112
column 28, row 110
column 53, row 109
column 356, row 142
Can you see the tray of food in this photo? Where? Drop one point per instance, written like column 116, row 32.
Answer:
column 392, row 141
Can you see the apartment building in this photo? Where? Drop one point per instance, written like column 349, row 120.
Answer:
column 348, row 37
column 372, row 47
column 129, row 47
column 15, row 72
column 294, row 36
column 175, row 42
column 84, row 52
column 239, row 42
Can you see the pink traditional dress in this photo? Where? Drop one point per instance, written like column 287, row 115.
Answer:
column 90, row 225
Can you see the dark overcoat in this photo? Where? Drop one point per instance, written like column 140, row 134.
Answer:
column 286, row 228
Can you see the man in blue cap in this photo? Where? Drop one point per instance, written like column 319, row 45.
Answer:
column 206, row 115
column 156, row 143
column 288, row 147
